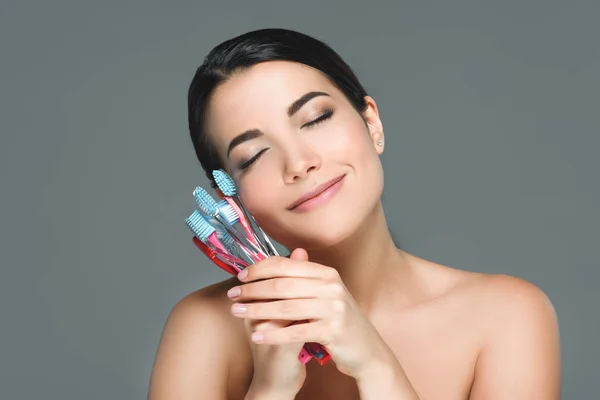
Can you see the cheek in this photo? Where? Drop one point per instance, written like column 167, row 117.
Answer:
column 354, row 147
column 351, row 144
column 259, row 194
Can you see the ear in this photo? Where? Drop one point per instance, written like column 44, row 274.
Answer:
column 371, row 117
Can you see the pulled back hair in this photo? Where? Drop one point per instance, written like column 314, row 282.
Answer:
column 246, row 50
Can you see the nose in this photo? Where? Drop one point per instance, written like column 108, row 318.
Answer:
column 300, row 161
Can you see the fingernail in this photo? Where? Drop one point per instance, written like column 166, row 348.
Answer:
column 238, row 308
column 234, row 292
column 257, row 337
column 243, row 274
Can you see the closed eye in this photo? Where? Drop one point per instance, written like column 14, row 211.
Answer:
column 245, row 165
column 326, row 115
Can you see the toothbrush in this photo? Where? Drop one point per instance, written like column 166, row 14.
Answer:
column 206, row 233
column 229, row 190
column 231, row 213
column 228, row 204
column 203, row 230
column 222, row 234
column 201, row 239
column 209, row 207
column 228, row 241
column 208, row 252
column 226, row 216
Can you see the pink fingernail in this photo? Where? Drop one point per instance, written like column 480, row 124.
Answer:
column 257, row 337
column 243, row 274
column 234, row 292
column 238, row 308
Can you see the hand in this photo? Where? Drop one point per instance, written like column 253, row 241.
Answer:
column 278, row 373
column 315, row 298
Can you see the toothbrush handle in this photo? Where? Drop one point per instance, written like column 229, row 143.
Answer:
column 244, row 222
column 242, row 241
column 213, row 257
column 232, row 260
column 319, row 352
column 250, row 226
column 304, row 356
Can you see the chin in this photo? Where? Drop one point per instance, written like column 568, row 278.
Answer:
column 319, row 230
column 329, row 225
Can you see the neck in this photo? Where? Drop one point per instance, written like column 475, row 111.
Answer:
column 369, row 263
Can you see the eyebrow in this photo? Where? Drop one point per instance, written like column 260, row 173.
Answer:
column 297, row 105
column 243, row 137
column 255, row 133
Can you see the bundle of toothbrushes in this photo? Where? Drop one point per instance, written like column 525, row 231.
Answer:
column 230, row 237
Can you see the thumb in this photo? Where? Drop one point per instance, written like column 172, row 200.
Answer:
column 299, row 255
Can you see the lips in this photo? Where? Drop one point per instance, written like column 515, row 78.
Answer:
column 316, row 191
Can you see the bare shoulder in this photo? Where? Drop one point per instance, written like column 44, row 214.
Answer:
column 495, row 292
column 510, row 297
column 499, row 298
column 212, row 296
column 199, row 339
column 520, row 345
column 496, row 304
column 205, row 309
column 496, row 295
column 514, row 327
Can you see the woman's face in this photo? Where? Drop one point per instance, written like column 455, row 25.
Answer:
column 285, row 133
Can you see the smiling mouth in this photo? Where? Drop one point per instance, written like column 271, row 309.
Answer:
column 318, row 195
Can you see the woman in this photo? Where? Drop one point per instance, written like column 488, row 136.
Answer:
column 290, row 122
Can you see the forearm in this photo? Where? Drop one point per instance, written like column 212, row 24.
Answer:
column 385, row 381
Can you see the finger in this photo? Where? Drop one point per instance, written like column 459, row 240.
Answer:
column 282, row 288
column 289, row 310
column 298, row 333
column 267, row 324
column 299, row 255
column 281, row 267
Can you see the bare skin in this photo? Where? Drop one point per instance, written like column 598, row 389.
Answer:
column 441, row 338
column 407, row 328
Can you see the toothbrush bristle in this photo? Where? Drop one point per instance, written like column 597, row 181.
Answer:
column 223, row 235
column 224, row 182
column 228, row 212
column 227, row 240
column 201, row 228
column 205, row 202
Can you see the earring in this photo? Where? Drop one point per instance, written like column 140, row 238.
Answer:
column 379, row 143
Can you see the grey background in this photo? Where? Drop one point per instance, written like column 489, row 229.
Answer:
column 491, row 111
